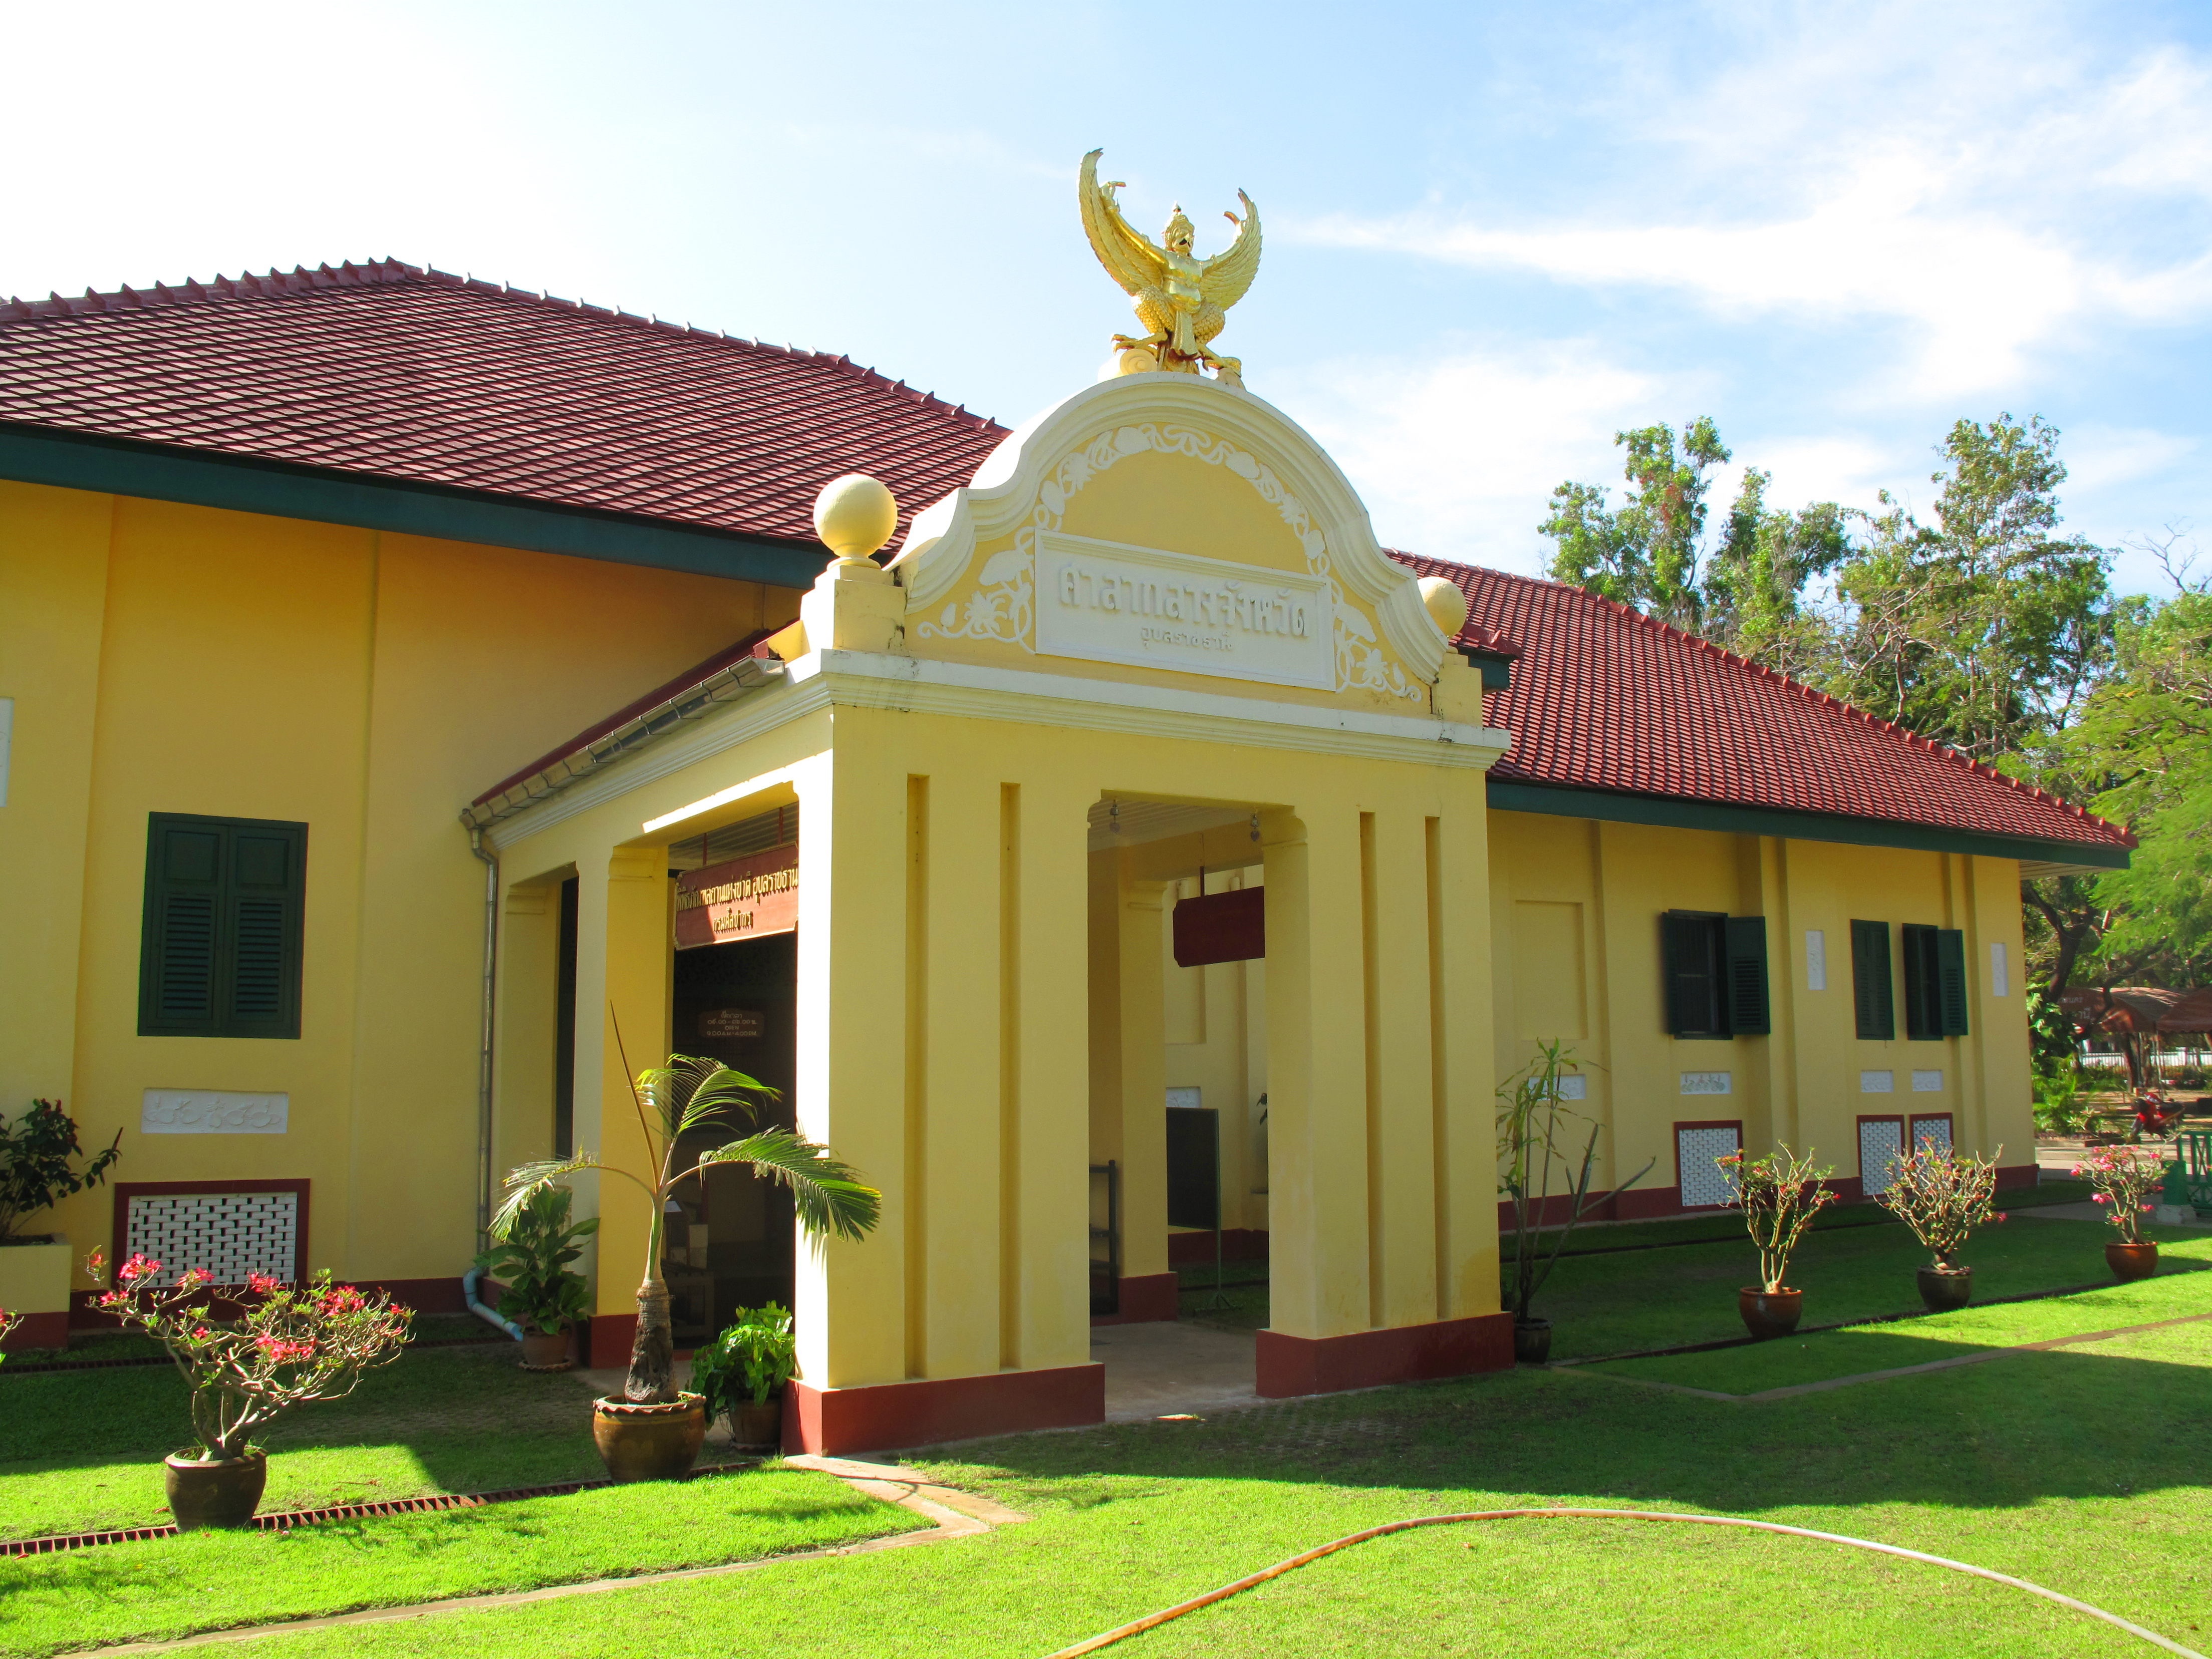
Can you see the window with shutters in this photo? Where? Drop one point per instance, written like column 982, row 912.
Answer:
column 1872, row 1009
column 219, row 951
column 1716, row 973
column 1935, row 982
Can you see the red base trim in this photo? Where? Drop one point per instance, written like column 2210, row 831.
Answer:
column 1144, row 1300
column 608, row 1339
column 2018, row 1174
column 37, row 1330
column 891, row 1414
column 1237, row 1245
column 1290, row 1366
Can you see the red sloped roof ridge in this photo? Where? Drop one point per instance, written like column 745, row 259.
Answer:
column 1605, row 697
column 397, row 371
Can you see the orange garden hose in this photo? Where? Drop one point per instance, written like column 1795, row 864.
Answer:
column 1153, row 1620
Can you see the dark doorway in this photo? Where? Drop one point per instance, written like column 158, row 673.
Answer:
column 732, row 1247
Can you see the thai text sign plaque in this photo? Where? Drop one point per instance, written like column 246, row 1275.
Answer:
column 1107, row 602
column 749, row 897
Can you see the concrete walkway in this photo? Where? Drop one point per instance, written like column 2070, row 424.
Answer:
column 1168, row 1368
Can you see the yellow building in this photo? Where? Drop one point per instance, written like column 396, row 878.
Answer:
column 1135, row 804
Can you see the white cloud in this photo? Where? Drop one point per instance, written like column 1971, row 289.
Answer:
column 1456, row 455
column 2021, row 204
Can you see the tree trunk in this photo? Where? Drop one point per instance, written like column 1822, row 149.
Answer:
column 652, row 1354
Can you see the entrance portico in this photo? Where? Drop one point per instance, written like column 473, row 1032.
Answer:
column 1159, row 595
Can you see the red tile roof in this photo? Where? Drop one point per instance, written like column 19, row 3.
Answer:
column 1603, row 697
column 389, row 370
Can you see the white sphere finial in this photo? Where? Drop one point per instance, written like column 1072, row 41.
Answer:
column 1445, row 603
column 854, row 515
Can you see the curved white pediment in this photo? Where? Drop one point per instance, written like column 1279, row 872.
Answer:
column 969, row 562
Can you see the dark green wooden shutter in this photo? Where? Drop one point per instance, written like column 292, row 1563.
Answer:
column 1873, row 1011
column 1685, row 951
column 1951, row 981
column 1923, row 999
column 220, row 953
column 1748, row 1014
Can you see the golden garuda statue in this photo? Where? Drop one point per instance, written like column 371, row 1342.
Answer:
column 1182, row 301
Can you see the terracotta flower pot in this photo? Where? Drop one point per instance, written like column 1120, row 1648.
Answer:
column 541, row 1352
column 1770, row 1313
column 1532, row 1341
column 1945, row 1288
column 2131, row 1260
column 757, row 1425
column 649, row 1442
column 221, row 1494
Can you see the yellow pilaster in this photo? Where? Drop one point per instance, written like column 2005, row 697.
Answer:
column 633, row 1004
column 522, row 1059
column 1463, row 1134
column 1317, row 1075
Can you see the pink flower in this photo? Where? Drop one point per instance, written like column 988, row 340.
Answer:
column 201, row 1334
column 192, row 1277
column 264, row 1283
column 1999, row 1216
column 137, row 1267
column 2098, row 1198
column 2148, row 1208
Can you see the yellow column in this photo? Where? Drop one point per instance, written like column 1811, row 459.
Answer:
column 1456, row 857
column 1401, row 1080
column 633, row 1019
column 1045, row 1297
column 960, row 1191
column 1316, row 1075
column 1141, row 913
column 863, row 832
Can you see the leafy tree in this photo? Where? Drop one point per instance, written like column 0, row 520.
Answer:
column 1756, row 582
column 2143, row 746
column 1748, row 592
column 1646, row 553
column 1983, row 629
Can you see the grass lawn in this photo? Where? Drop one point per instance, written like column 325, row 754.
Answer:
column 2084, row 1470
column 1630, row 1301
column 82, row 1452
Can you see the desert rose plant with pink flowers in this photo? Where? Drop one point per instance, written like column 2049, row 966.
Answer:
column 290, row 1344
column 2124, row 1177
column 1942, row 1195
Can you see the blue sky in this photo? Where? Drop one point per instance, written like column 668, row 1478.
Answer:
column 1495, row 233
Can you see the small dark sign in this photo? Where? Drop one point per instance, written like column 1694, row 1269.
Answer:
column 730, row 1022
column 1230, row 927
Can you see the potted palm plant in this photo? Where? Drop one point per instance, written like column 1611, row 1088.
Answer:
column 743, row 1371
column 1535, row 1152
column 1942, row 1197
column 543, row 1293
column 42, row 1161
column 1779, row 1194
column 651, row 1430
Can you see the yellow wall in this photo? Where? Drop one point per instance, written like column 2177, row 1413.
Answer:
column 1574, row 910
column 172, row 659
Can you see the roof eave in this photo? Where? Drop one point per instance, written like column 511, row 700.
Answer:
column 70, row 460
column 2037, row 856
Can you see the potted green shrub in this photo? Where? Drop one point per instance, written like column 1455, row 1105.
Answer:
column 1535, row 1152
column 2125, row 1177
column 743, row 1371
column 39, row 1159
column 543, row 1293
column 289, row 1345
column 1942, row 1196
column 651, row 1430
column 1779, row 1194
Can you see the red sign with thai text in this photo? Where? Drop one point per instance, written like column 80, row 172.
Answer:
column 746, row 898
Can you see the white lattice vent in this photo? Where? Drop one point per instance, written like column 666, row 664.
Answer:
column 230, row 1234
column 1881, row 1143
column 1703, row 1182
column 1934, row 1132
